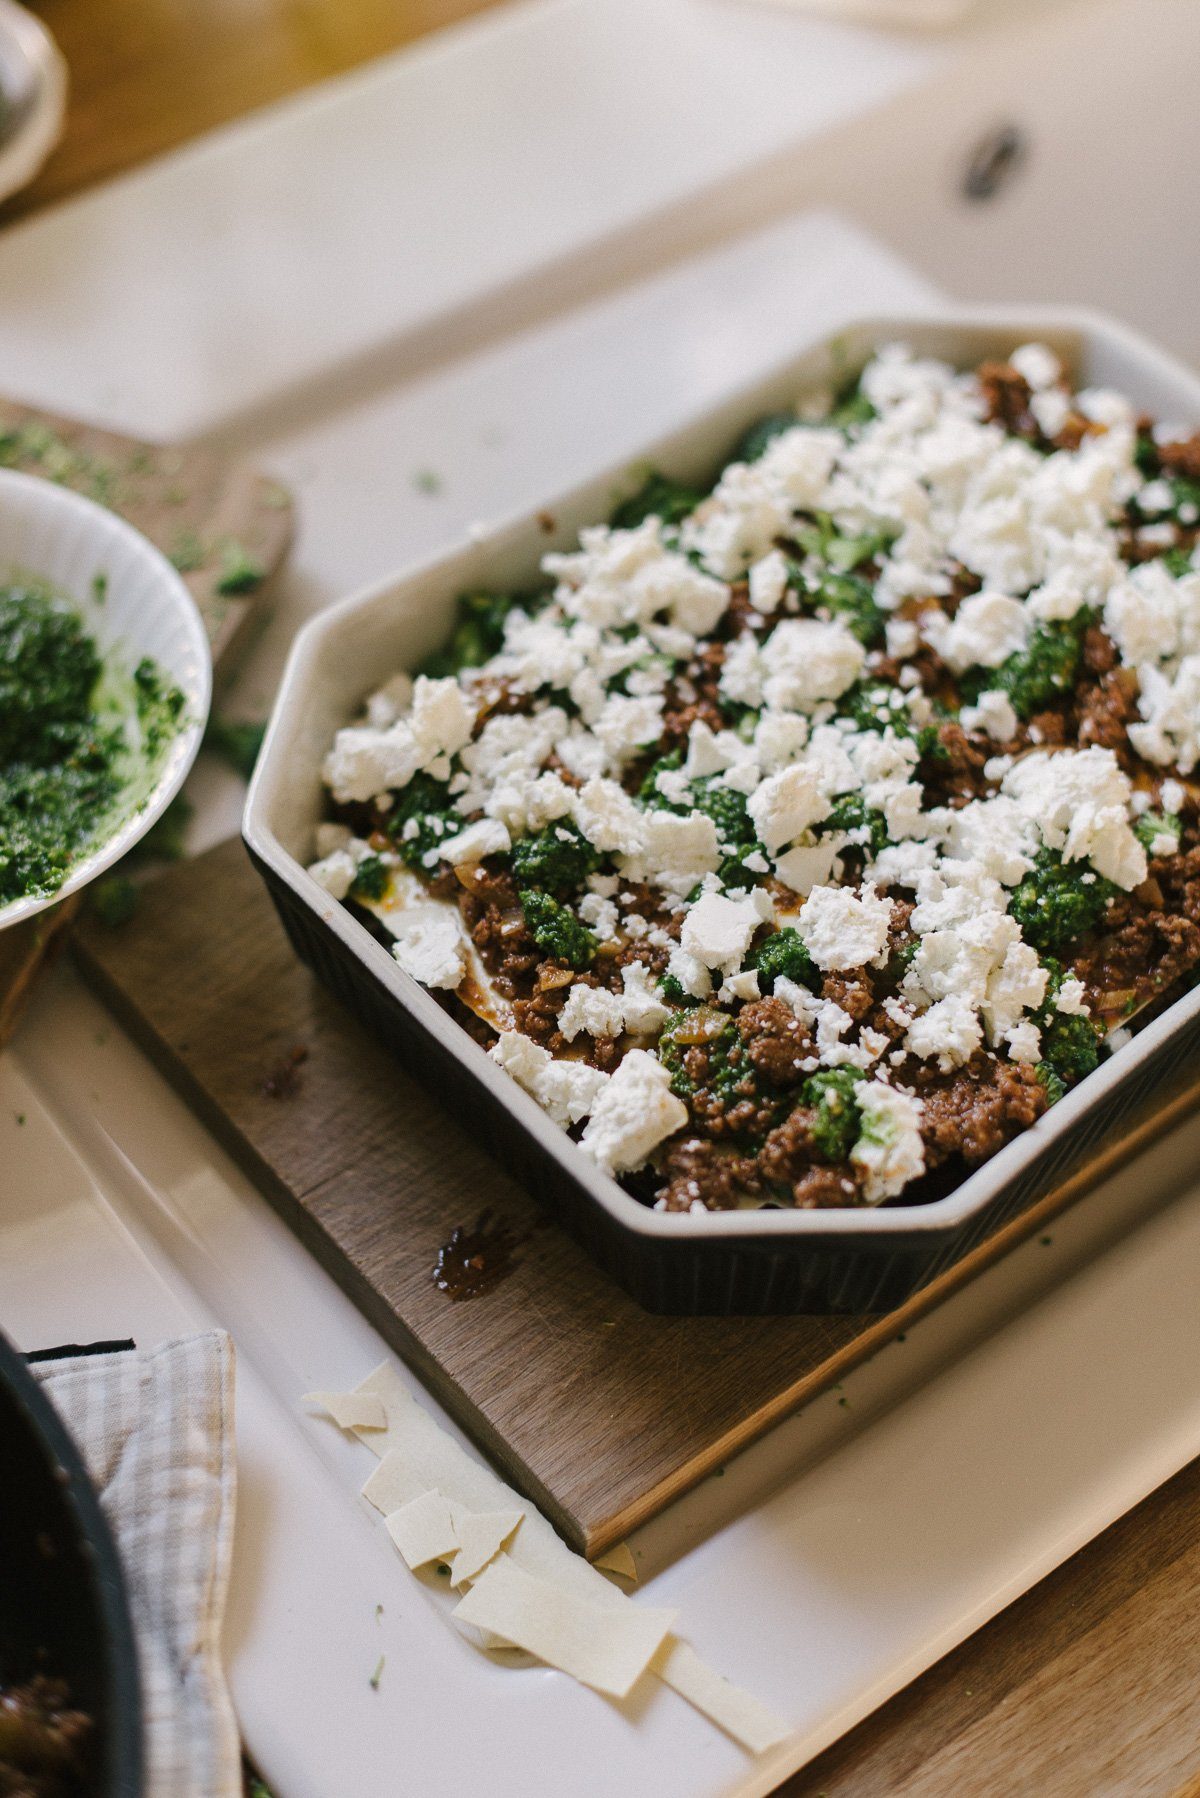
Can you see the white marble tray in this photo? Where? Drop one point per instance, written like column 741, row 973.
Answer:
column 858, row 1542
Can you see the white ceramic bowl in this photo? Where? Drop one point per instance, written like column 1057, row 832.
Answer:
column 53, row 535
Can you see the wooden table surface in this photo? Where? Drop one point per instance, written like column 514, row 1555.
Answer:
column 1089, row 1685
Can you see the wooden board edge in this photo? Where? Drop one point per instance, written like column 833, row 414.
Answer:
column 876, row 1336
column 330, row 1256
column 592, row 1534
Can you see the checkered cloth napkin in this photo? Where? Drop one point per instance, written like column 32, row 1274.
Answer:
column 156, row 1431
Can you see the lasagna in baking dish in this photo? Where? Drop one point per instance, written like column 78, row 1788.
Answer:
column 800, row 839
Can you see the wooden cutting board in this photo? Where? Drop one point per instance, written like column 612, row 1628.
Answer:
column 225, row 527
column 599, row 1411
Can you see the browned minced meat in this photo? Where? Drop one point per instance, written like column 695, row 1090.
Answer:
column 853, row 992
column 740, row 615
column 693, row 696
column 822, row 1187
column 976, row 1109
column 1006, row 397
column 537, row 1016
column 1099, row 651
column 1047, row 729
column 496, row 695
column 789, row 1160
column 776, row 1042
column 1182, row 456
column 491, row 909
column 1107, row 709
column 694, row 1168
column 960, row 775
column 1145, row 952
column 748, row 1113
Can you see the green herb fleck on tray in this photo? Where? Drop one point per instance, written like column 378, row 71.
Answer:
column 427, row 481
column 239, row 570
column 375, row 1678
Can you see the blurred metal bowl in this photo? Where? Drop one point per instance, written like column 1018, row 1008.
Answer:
column 63, row 1606
column 33, row 96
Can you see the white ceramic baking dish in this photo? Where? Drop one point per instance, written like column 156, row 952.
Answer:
column 741, row 1261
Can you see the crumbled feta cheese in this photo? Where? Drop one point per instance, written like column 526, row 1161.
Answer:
column 642, row 1005
column 485, row 837
column 334, row 872
column 441, row 718
column 680, row 845
column 1050, row 408
column 740, row 986
column 633, row 1113
column 1016, row 986
column 889, row 1149
column 608, row 817
column 566, row 1090
column 1079, row 800
column 997, row 835
column 807, row 660
column 430, row 946
column 1024, row 1042
column 992, row 713
column 1170, row 706
column 593, row 1009
column 742, row 671
column 390, row 702
column 1071, row 998
column 807, row 865
column 985, row 631
column 365, row 761
column 600, row 915
column 903, row 637
column 779, row 738
column 784, row 806
column 1037, row 365
column 690, row 972
column 768, row 581
column 949, row 1030
column 842, row 930
column 626, row 725
column 717, row 930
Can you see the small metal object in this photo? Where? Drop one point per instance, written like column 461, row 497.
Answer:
column 994, row 161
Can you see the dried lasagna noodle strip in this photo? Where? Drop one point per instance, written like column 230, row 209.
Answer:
column 359, row 1411
column 417, row 1454
column 423, row 1530
column 619, row 1559
column 608, row 1648
column 738, row 1713
column 481, row 1535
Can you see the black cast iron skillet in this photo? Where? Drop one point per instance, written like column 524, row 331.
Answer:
column 63, row 1607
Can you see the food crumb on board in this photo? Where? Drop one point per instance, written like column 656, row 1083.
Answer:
column 283, row 1081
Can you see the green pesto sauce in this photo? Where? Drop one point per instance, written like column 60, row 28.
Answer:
column 70, row 750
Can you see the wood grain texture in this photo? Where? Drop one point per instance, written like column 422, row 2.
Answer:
column 1086, row 1687
column 601, row 1412
column 147, row 75
column 225, row 526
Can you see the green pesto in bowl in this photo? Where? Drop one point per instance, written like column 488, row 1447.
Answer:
column 80, row 739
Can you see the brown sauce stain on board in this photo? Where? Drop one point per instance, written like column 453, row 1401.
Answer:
column 474, row 1261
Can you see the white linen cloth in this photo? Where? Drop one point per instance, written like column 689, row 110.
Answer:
column 156, row 1430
